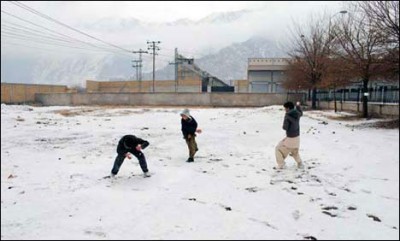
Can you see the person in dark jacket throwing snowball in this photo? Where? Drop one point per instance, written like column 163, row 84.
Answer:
column 291, row 143
column 189, row 130
column 130, row 145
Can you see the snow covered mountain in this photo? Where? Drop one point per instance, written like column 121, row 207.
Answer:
column 227, row 17
column 116, row 24
column 219, row 47
column 229, row 63
column 220, row 44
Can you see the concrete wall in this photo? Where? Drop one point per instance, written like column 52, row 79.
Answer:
column 145, row 86
column 241, row 86
column 375, row 108
column 92, row 86
column 23, row 93
column 167, row 99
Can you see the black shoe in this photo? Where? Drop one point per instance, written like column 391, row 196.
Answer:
column 190, row 159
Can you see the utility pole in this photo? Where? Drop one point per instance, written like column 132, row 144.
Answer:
column 176, row 62
column 140, row 52
column 154, row 47
column 137, row 65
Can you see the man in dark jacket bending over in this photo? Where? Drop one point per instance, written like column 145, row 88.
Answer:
column 128, row 145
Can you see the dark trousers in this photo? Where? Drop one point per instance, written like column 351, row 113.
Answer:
column 192, row 145
column 120, row 159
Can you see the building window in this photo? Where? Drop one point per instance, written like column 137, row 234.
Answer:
column 259, row 87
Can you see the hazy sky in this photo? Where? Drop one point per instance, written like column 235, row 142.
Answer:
column 155, row 11
column 27, row 34
column 104, row 19
column 114, row 22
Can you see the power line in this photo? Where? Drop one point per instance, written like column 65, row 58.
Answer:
column 20, row 28
column 30, row 34
column 52, row 50
column 30, row 39
column 162, row 57
column 25, row 33
column 52, row 31
column 45, row 42
column 168, row 56
column 21, row 5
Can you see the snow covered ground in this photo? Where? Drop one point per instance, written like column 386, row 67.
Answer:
column 53, row 160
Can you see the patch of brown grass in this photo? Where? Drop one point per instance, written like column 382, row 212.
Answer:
column 389, row 124
column 346, row 118
column 73, row 112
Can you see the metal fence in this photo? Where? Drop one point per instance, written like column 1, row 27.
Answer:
column 222, row 89
column 381, row 94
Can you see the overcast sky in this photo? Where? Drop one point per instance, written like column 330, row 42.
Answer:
column 112, row 21
column 28, row 34
column 157, row 11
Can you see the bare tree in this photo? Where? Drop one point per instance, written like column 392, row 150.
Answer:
column 338, row 74
column 390, row 69
column 310, row 53
column 296, row 77
column 384, row 15
column 361, row 48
